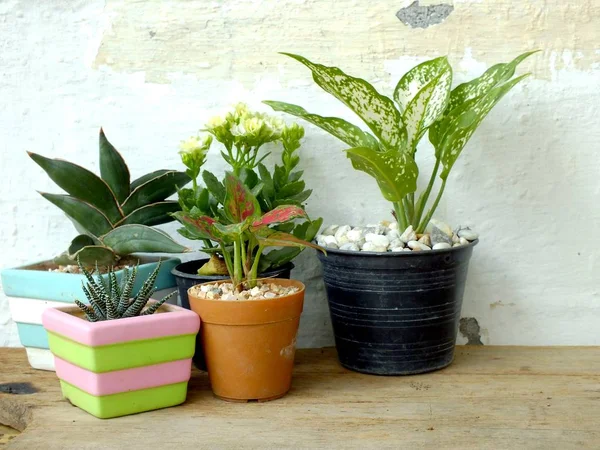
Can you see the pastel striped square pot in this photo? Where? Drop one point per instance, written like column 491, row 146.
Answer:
column 125, row 366
column 31, row 289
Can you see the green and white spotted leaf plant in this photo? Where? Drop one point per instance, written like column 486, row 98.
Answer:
column 114, row 215
column 109, row 300
column 423, row 103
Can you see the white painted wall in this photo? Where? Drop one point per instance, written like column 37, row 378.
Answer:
column 151, row 73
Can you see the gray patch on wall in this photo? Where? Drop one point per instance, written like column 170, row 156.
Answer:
column 417, row 16
column 469, row 328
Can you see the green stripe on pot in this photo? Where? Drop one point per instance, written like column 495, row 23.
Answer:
column 32, row 335
column 126, row 355
column 125, row 403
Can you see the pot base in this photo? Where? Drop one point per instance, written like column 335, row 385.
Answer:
column 249, row 400
column 396, row 373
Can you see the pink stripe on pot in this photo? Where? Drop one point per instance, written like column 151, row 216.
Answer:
column 123, row 380
column 170, row 320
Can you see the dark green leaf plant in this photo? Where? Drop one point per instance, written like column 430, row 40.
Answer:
column 114, row 216
column 423, row 103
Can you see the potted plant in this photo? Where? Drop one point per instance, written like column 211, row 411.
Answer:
column 120, row 355
column 114, row 217
column 243, row 134
column 249, row 324
column 395, row 289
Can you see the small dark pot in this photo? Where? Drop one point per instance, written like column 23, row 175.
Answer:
column 396, row 313
column 186, row 275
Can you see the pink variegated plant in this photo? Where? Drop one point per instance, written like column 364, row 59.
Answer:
column 247, row 231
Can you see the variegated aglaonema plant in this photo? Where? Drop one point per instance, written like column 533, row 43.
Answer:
column 113, row 215
column 245, row 230
column 424, row 102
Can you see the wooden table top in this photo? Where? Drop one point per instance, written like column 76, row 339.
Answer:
column 489, row 398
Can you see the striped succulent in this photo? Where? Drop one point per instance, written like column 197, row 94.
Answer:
column 113, row 215
column 108, row 299
column 423, row 102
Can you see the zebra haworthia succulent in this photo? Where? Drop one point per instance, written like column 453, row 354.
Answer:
column 109, row 299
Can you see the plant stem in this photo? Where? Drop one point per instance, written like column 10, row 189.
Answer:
column 227, row 258
column 427, row 218
column 400, row 215
column 409, row 208
column 244, row 261
column 237, row 265
column 422, row 201
column 254, row 270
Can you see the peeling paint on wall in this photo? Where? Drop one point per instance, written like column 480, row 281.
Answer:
column 469, row 328
column 423, row 16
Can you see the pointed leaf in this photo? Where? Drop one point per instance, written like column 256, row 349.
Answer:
column 464, row 125
column 339, row 128
column 95, row 254
column 81, row 183
column 215, row 187
column 429, row 102
column 395, row 172
column 376, row 110
column 202, row 227
column 239, row 202
column 413, row 81
column 82, row 213
column 281, row 214
column 145, row 178
column 229, row 233
column 281, row 239
column 128, row 239
column 153, row 214
column 477, row 87
column 155, row 190
column 113, row 168
column 291, row 189
column 83, row 240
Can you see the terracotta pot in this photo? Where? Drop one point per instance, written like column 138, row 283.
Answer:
column 249, row 345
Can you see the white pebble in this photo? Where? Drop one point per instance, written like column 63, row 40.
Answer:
column 330, row 241
column 255, row 291
column 270, row 295
column 408, row 235
column 342, row 231
column 463, row 241
column 393, row 226
column 398, row 249
column 393, row 234
column 355, row 235
column 369, row 247
column 378, row 240
column 425, row 239
column 330, row 230
column 455, row 238
column 350, row 246
column 205, row 288
column 468, row 234
column 444, row 227
column 381, row 249
column 396, row 243
column 441, row 246
column 417, row 246
column 456, row 245
column 228, row 296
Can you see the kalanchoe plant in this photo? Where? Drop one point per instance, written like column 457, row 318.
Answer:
column 246, row 230
column 114, row 215
column 424, row 102
column 243, row 133
column 109, row 300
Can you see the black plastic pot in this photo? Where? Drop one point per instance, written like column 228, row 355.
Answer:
column 186, row 275
column 396, row 313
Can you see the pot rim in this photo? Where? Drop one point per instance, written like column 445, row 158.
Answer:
column 265, row 300
column 144, row 260
column 194, row 276
column 398, row 254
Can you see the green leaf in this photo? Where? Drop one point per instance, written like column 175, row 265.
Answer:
column 83, row 240
column 153, row 214
column 295, row 199
column 155, row 190
column 128, row 239
column 280, row 239
column 113, row 168
column 433, row 80
column 395, row 172
column 466, row 120
column 145, row 178
column 248, row 177
column 239, row 202
column 339, row 128
column 229, row 233
column 85, row 215
column 95, row 254
column 256, row 190
column 475, row 88
column 291, row 189
column 215, row 187
column 376, row 110
column 196, row 227
column 413, row 81
column 81, row 183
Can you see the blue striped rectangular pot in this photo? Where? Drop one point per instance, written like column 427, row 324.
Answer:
column 31, row 291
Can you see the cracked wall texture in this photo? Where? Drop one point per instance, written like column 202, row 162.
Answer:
column 152, row 72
